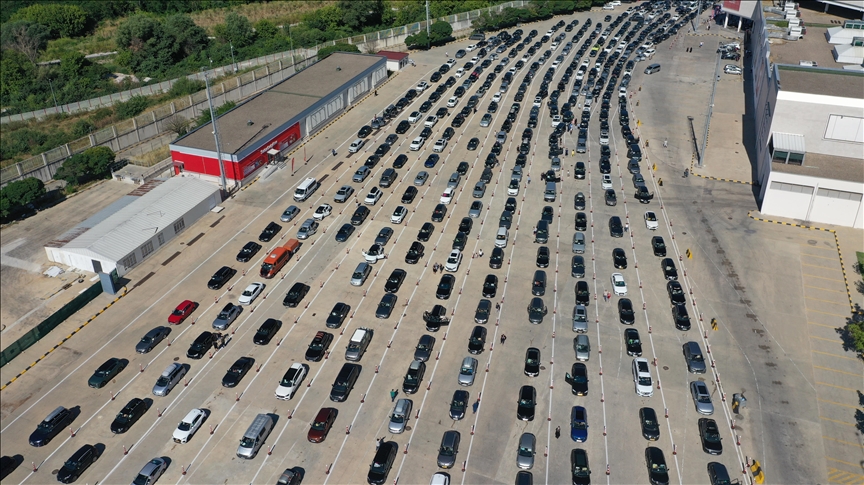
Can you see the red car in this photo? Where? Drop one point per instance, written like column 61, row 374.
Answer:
column 182, row 311
column 321, row 425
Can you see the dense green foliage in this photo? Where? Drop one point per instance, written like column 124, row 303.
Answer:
column 134, row 107
column 205, row 118
column 538, row 10
column 440, row 32
column 92, row 163
column 16, row 195
column 322, row 53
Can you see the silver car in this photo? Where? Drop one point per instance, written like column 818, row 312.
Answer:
column 580, row 319
column 309, row 228
column 454, row 180
column 421, row 178
column 579, row 243
column 476, row 209
column 479, row 191
column 151, row 471
column 582, row 346
column 527, row 449
column 343, row 194
column 449, row 448
column 399, row 417
column 361, row 174
column 467, row 371
column 290, row 213
column 701, row 398
column 486, row 120
column 228, row 314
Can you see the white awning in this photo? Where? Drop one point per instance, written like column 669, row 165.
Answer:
column 789, row 142
column 273, row 152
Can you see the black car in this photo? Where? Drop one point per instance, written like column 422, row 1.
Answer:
column 486, row 175
column 459, row 404
column 415, row 253
column 295, row 295
column 448, row 133
column 670, row 272
column 382, row 149
column 578, row 379
column 445, row 287
column 127, row 416
column 403, row 127
column 526, row 403
column 382, row 462
column 473, row 143
column 632, row 342
column 462, row 168
column 267, row 331
column 318, row 346
column 484, row 308
column 616, row 229
column 460, row 240
column 439, row 213
column 435, row 318
column 496, row 259
column 53, row 424
column 610, row 197
column 680, row 316
column 532, row 362
column 344, row 232
column 658, row 474
column 360, row 215
column 385, row 306
column 372, row 161
column 458, row 120
column 650, row 425
column 577, row 267
column 269, row 232
column 658, row 245
column 709, row 434
column 426, row 231
column 365, row 131
column 465, row 225
column 413, row 378
column 409, row 194
column 237, row 370
column 676, row 293
column 248, row 252
column 220, row 277
column 337, row 315
column 490, row 286
column 400, row 161
column 395, row 280
column 542, row 257
column 510, row 204
column 581, row 221
column 106, row 372
column 77, row 464
column 619, row 258
column 426, row 106
column 477, row 340
column 626, row 315
column 201, row 345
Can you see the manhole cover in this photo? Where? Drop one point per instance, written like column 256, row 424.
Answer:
column 176, row 359
column 811, row 242
column 542, row 367
column 54, row 472
column 665, row 367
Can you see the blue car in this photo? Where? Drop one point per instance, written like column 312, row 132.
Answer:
column 431, row 160
column 579, row 424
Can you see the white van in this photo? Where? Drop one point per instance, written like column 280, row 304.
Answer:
column 502, row 237
column 306, row 189
column 356, row 145
column 254, row 436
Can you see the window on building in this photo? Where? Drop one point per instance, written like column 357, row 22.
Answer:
column 129, row 261
column 161, row 238
column 146, row 249
column 795, row 188
column 839, row 194
column 179, row 226
column 780, row 156
column 795, row 158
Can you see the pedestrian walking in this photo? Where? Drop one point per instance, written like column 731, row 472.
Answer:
column 604, row 295
column 446, row 54
column 566, row 152
column 475, row 406
column 376, row 92
column 626, row 227
column 334, row 152
column 503, row 339
column 435, row 268
column 393, row 394
column 378, row 443
column 533, row 230
column 529, row 180
column 700, row 44
column 665, row 142
column 686, row 172
column 557, row 432
column 497, row 307
column 481, row 252
column 475, row 110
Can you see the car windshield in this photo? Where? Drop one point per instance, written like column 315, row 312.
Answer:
column 288, row 380
column 467, row 371
column 162, row 381
column 141, row 479
column 579, row 425
column 247, row 292
column 644, row 381
column 319, row 425
column 177, row 311
column 582, row 348
column 523, row 451
column 316, row 345
column 524, row 402
column 184, row 426
column 235, row 369
column 446, row 451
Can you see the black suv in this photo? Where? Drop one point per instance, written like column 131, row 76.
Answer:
column 616, row 229
column 201, row 345
column 248, row 252
column 337, row 315
column 77, row 464
column 360, row 215
column 295, row 295
column 267, row 331
column 382, row 462
column 269, row 232
column 319, row 345
column 127, row 416
column 426, row 231
column 51, row 426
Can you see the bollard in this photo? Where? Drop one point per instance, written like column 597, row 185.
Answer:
column 183, row 470
column 608, row 470
column 236, row 397
column 389, row 344
column 438, row 356
column 666, row 412
column 376, row 369
column 546, row 453
column 674, row 449
column 279, row 342
column 112, row 396
column 348, row 429
column 291, row 414
column 601, row 370
column 142, row 367
column 270, row 451
column 472, row 430
column 125, row 451
column 363, row 398
column 211, row 355
column 72, row 432
column 733, row 424
column 406, row 449
column 738, row 439
column 487, row 367
column 159, row 413
column 327, row 471
column 463, row 466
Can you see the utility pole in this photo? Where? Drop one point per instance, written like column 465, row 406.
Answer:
column 428, row 34
column 52, row 93
column 233, row 63
column 215, row 134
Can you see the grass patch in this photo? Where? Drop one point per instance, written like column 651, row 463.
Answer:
column 779, row 23
column 279, row 12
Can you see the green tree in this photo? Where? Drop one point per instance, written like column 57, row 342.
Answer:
column 63, row 20
column 18, row 194
column 134, row 107
column 147, row 48
column 205, row 118
column 322, row 53
column 418, row 40
column 325, row 19
column 358, row 14
column 855, row 330
column 28, row 38
column 440, row 31
column 266, row 29
column 237, row 30
column 92, row 163
column 16, row 72
column 189, row 39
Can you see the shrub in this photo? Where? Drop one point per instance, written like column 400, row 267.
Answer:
column 185, row 87
column 134, row 107
column 16, row 195
column 92, row 163
column 337, row 48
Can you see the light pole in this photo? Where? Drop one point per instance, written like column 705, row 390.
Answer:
column 52, row 93
column 233, row 63
column 215, row 133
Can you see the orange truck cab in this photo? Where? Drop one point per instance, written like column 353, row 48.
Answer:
column 278, row 257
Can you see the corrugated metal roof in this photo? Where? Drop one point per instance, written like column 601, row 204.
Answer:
column 789, row 142
column 131, row 226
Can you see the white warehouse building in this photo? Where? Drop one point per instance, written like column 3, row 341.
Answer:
column 133, row 228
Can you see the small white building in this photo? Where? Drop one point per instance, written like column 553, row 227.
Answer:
column 134, row 228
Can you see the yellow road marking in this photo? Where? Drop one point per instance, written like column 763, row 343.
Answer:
column 856, row 465
column 825, row 289
column 827, row 313
column 822, row 325
column 838, row 371
column 820, row 299
column 833, row 355
column 840, row 476
column 822, row 277
column 834, row 385
column 818, row 247
column 837, row 403
column 827, row 340
column 820, row 257
column 841, row 441
column 817, row 266
column 844, row 423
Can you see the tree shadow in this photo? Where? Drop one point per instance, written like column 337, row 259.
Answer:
column 859, row 417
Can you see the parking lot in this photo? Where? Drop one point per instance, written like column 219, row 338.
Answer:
column 490, row 433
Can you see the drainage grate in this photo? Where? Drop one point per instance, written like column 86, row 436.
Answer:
column 322, row 179
column 217, row 221
column 336, row 166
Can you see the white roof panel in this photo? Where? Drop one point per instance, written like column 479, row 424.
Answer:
column 789, row 142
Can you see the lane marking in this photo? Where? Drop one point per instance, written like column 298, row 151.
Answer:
column 837, row 403
column 834, row 385
column 844, row 423
column 841, row 441
column 825, row 289
column 835, row 370
column 834, row 355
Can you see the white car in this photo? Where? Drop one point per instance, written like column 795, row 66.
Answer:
column 470, row 47
column 417, row 144
column 475, row 60
column 250, row 293
column 189, row 425
column 291, row 381
column 453, row 261
column 556, row 120
column 451, row 62
column 606, row 181
column 373, row 196
column 538, row 102
column 615, row 3
column 440, row 145
column 460, row 72
column 374, row 254
column 733, row 69
column 513, row 189
column 399, row 215
column 619, row 287
column 496, row 97
column 447, row 196
column 421, row 86
column 452, row 102
column 608, row 7
column 430, row 122
column 642, row 377
column 322, row 211
column 651, row 221
column 414, row 117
